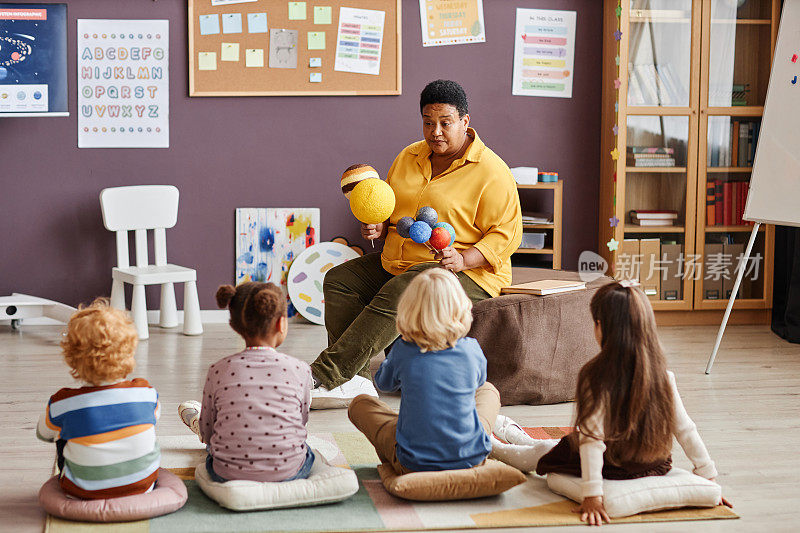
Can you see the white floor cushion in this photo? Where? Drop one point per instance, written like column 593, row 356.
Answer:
column 678, row 488
column 325, row 484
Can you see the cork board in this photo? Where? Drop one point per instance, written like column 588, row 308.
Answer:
column 212, row 33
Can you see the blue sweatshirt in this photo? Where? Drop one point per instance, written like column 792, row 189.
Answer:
column 438, row 426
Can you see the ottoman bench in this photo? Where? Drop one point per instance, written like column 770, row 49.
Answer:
column 535, row 345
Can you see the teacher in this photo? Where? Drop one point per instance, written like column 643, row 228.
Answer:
column 471, row 188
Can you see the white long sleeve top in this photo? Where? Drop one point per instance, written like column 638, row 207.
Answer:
column 592, row 449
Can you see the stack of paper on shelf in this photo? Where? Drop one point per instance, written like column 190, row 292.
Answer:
column 653, row 218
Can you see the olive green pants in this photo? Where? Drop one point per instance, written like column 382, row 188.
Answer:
column 360, row 308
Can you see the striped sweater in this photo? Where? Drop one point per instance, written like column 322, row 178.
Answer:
column 110, row 445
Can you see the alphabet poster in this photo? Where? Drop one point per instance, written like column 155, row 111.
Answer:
column 123, row 83
column 544, row 53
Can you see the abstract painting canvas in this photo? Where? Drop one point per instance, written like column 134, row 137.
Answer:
column 268, row 240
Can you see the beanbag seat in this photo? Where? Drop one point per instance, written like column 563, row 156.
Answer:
column 627, row 497
column 489, row 479
column 168, row 495
column 325, row 484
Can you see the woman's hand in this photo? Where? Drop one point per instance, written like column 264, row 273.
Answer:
column 592, row 511
column 373, row 232
column 450, row 259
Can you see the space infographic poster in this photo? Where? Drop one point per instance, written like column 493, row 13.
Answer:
column 33, row 58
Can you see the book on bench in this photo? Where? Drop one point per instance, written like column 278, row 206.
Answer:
column 544, row 287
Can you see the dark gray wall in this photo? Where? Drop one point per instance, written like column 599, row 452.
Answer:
column 278, row 152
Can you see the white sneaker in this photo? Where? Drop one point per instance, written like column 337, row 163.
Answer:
column 190, row 415
column 511, row 432
column 341, row 396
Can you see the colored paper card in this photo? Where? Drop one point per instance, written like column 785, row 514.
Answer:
column 316, row 40
column 209, row 24
column 254, row 57
column 451, row 22
column 228, row 2
column 231, row 23
column 230, row 52
column 544, row 53
column 315, row 77
column 322, row 14
column 207, row 61
column 314, row 62
column 359, row 40
column 282, row 48
column 297, row 11
column 257, row 22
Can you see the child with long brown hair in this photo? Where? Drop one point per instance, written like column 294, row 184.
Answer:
column 627, row 409
column 255, row 402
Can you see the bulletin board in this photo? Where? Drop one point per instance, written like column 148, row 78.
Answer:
column 225, row 36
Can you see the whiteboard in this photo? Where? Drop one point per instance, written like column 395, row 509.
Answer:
column 774, row 196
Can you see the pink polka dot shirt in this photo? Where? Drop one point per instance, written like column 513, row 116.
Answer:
column 255, row 409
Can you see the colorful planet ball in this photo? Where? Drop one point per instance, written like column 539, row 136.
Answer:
column 353, row 175
column 420, row 232
column 428, row 215
column 372, row 201
column 440, row 238
column 403, row 225
column 450, row 229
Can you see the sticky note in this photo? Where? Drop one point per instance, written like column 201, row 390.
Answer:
column 230, row 52
column 315, row 77
column 257, row 23
column 207, row 61
column 231, row 23
column 322, row 14
column 314, row 62
column 209, row 24
column 316, row 40
column 297, row 11
column 254, row 57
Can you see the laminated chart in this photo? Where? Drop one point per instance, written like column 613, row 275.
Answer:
column 359, row 41
column 544, row 53
column 446, row 22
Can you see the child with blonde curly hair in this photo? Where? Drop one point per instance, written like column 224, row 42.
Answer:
column 255, row 402
column 105, row 429
column 447, row 407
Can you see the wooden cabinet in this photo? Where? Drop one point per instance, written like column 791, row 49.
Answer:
column 692, row 77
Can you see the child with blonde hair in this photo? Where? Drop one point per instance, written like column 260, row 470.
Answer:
column 447, row 407
column 627, row 409
column 106, row 428
column 255, row 402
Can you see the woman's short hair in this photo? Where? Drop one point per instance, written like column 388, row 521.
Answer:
column 434, row 311
column 444, row 92
column 100, row 343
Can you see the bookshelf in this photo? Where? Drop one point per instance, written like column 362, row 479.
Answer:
column 553, row 231
column 692, row 77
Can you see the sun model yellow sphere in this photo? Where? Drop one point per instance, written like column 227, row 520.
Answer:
column 372, row 201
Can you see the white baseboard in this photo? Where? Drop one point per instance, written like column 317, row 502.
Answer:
column 207, row 316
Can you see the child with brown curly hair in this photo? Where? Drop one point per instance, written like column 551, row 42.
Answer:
column 105, row 429
column 255, row 402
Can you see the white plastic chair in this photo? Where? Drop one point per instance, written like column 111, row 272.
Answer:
column 141, row 208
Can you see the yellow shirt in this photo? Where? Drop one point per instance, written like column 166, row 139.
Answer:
column 477, row 195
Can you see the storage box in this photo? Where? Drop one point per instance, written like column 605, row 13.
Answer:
column 533, row 240
column 629, row 260
column 650, row 274
column 712, row 284
column 732, row 252
column 525, row 175
column 672, row 277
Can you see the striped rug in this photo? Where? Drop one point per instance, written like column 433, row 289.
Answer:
column 372, row 508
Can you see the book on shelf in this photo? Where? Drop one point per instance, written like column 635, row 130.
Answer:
column 651, row 150
column 656, row 162
column 732, row 144
column 536, row 218
column 544, row 287
column 650, row 156
column 654, row 214
column 725, row 202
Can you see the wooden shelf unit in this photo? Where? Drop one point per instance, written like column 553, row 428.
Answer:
column 682, row 188
column 554, row 230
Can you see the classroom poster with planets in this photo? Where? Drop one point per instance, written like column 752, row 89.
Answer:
column 123, row 83
column 544, row 53
column 33, row 58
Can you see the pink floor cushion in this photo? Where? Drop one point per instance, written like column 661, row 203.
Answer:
column 167, row 496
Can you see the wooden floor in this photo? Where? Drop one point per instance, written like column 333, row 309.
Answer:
column 747, row 410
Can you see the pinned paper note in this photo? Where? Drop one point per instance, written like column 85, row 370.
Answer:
column 297, row 11
column 257, row 23
column 230, row 52
column 315, row 62
column 316, row 40
column 231, row 23
column 254, row 57
column 209, row 24
column 359, row 41
column 322, row 14
column 282, row 48
column 315, row 77
column 207, row 61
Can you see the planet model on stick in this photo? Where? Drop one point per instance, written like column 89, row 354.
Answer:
column 450, row 229
column 372, row 201
column 355, row 174
column 420, row 232
column 440, row 238
column 428, row 215
column 403, row 225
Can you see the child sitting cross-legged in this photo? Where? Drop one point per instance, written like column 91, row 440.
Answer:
column 627, row 410
column 105, row 429
column 255, row 402
column 447, row 407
